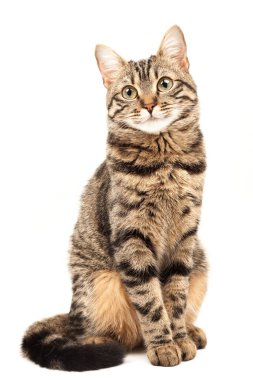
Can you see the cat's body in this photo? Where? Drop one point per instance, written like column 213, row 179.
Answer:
column 138, row 270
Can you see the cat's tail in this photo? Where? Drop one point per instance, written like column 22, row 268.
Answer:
column 46, row 343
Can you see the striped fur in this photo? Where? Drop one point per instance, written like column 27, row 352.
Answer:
column 138, row 270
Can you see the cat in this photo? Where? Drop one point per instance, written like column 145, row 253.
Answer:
column 139, row 272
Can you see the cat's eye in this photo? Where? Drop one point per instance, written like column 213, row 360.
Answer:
column 164, row 84
column 129, row 92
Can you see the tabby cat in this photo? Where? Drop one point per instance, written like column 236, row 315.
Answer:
column 138, row 270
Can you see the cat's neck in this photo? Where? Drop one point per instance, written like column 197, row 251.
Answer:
column 183, row 138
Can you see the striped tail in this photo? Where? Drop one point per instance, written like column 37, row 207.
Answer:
column 46, row 344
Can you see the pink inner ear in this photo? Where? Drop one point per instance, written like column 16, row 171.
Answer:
column 106, row 82
column 109, row 63
column 108, row 77
column 185, row 63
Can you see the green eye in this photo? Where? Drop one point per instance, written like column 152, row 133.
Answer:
column 164, row 84
column 129, row 92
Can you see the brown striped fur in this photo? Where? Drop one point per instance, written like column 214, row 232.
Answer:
column 139, row 273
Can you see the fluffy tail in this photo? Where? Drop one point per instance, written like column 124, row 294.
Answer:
column 46, row 344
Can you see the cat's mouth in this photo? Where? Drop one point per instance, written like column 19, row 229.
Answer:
column 153, row 118
column 158, row 123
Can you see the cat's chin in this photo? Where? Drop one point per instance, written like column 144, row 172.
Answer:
column 157, row 125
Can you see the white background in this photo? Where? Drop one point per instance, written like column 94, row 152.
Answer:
column 53, row 132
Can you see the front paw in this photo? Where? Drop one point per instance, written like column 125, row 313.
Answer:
column 187, row 347
column 167, row 355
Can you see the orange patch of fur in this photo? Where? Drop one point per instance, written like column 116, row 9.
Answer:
column 197, row 290
column 112, row 311
column 95, row 340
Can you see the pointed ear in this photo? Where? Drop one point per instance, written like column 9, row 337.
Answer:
column 173, row 47
column 109, row 63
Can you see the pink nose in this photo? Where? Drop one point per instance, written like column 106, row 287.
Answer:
column 149, row 107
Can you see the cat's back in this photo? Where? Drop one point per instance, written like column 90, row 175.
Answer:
column 92, row 229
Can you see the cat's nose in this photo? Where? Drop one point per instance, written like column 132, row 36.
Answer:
column 149, row 107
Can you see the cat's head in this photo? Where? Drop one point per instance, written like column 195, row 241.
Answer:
column 149, row 95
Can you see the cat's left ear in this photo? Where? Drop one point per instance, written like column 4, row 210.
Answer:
column 173, row 47
column 109, row 63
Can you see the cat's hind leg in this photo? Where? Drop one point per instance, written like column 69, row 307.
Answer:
column 111, row 311
column 197, row 335
column 197, row 290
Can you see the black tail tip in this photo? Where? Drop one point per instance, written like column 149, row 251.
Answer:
column 61, row 354
column 92, row 356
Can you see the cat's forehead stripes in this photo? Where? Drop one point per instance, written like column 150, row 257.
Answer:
column 142, row 69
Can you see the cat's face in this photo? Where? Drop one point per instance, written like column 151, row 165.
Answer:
column 149, row 95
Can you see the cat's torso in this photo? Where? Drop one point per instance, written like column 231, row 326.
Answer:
column 164, row 204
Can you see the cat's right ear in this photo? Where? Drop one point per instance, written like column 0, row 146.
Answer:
column 109, row 63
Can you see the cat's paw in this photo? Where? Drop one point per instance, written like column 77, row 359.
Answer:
column 198, row 336
column 187, row 347
column 167, row 355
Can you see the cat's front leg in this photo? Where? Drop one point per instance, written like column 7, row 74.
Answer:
column 175, row 279
column 136, row 262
